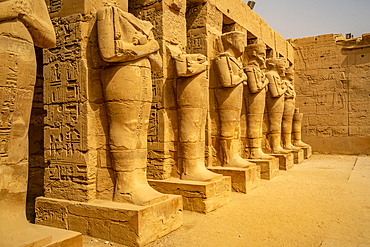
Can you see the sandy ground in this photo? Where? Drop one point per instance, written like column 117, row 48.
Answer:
column 324, row 201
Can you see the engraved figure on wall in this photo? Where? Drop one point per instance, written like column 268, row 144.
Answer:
column 128, row 45
column 192, row 85
column 229, row 95
column 23, row 25
column 275, row 102
column 255, row 98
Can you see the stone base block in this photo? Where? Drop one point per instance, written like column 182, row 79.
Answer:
column 36, row 235
column 202, row 197
column 286, row 161
column 122, row 223
column 269, row 168
column 307, row 151
column 242, row 179
column 298, row 156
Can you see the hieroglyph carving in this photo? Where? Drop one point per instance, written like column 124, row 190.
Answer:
column 129, row 47
column 23, row 25
column 255, row 98
column 65, row 125
column 229, row 94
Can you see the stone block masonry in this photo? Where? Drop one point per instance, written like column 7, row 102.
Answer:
column 333, row 92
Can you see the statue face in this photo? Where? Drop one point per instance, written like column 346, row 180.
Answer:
column 260, row 54
column 238, row 44
column 280, row 69
column 290, row 76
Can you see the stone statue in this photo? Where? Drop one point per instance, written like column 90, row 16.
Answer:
column 128, row 45
column 289, row 106
column 229, row 95
column 192, row 100
column 297, row 130
column 275, row 102
column 255, row 98
column 23, row 25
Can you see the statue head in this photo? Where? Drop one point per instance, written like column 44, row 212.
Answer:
column 277, row 64
column 234, row 42
column 257, row 52
column 289, row 73
column 121, row 4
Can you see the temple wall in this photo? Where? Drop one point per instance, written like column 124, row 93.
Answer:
column 332, row 82
column 74, row 162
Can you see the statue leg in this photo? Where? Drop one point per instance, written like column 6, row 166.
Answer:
column 297, row 129
column 17, row 80
column 275, row 111
column 255, row 105
column 287, row 124
column 128, row 96
column 229, row 101
column 192, row 95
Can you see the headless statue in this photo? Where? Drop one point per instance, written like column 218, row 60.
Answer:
column 128, row 45
column 192, row 86
column 23, row 25
column 255, row 98
column 229, row 95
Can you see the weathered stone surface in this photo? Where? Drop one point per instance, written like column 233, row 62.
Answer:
column 332, row 83
column 202, row 197
column 23, row 25
column 298, row 156
column 286, row 161
column 122, row 223
column 268, row 168
column 307, row 152
column 242, row 179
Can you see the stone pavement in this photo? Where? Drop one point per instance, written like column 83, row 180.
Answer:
column 324, row 201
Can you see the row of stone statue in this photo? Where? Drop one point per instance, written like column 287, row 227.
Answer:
column 127, row 44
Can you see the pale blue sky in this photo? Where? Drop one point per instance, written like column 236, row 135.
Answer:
column 298, row 18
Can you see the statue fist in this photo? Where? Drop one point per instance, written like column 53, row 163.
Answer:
column 21, row 7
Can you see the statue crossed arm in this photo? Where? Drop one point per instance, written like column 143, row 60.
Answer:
column 34, row 16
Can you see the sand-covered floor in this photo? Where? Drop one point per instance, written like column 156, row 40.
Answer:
column 324, row 201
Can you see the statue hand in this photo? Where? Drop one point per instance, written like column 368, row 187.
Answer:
column 21, row 7
column 196, row 58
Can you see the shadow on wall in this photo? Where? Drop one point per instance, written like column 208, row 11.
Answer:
column 36, row 166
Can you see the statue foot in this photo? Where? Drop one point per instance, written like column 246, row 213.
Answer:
column 257, row 153
column 280, row 150
column 291, row 147
column 200, row 173
column 239, row 162
column 143, row 195
column 300, row 144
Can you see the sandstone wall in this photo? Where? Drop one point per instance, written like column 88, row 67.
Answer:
column 333, row 91
column 74, row 163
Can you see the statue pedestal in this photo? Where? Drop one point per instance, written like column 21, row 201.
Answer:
column 242, row 179
column 122, row 223
column 202, row 197
column 298, row 156
column 36, row 235
column 307, row 152
column 286, row 161
column 269, row 168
